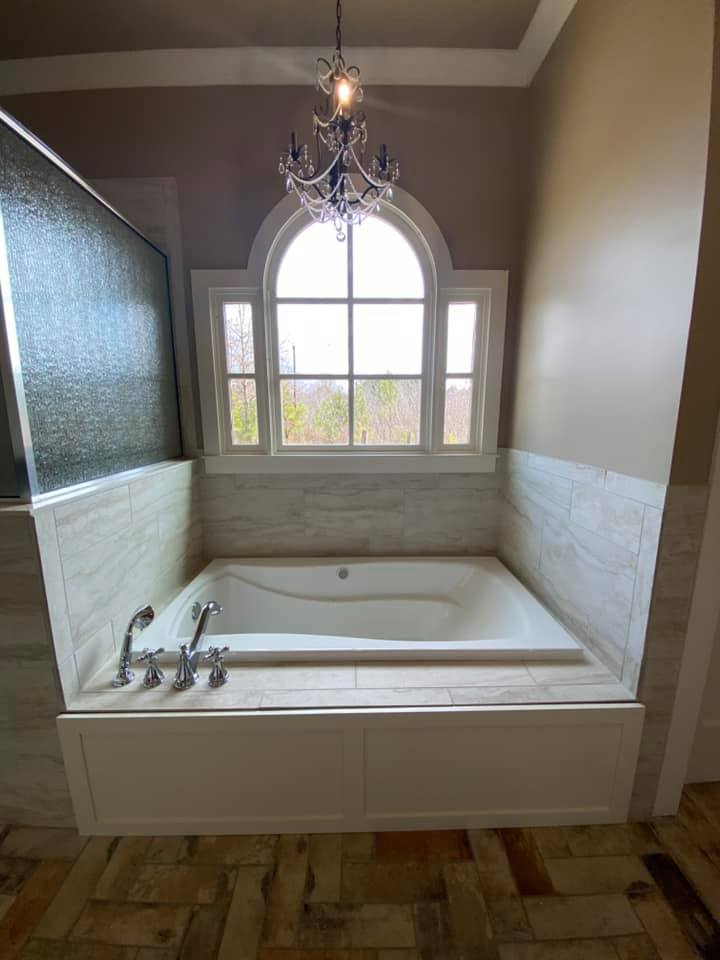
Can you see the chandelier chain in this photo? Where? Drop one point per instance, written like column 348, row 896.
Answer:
column 338, row 27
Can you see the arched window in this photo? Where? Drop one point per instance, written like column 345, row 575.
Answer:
column 373, row 346
column 348, row 336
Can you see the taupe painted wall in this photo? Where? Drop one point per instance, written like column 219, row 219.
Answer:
column 8, row 478
column 700, row 401
column 463, row 154
column 620, row 114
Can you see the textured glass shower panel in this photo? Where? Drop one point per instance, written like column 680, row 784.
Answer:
column 93, row 325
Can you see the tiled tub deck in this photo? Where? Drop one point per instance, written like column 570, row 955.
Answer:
column 363, row 685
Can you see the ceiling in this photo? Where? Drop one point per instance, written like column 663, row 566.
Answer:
column 41, row 28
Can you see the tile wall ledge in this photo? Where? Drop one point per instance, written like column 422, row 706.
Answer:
column 348, row 463
column 644, row 491
column 57, row 497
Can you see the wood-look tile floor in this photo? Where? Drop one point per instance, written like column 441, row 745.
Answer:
column 627, row 892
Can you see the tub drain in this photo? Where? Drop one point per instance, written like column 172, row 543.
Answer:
column 343, row 573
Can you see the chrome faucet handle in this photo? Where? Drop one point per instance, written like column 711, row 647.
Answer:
column 219, row 675
column 153, row 675
column 185, row 676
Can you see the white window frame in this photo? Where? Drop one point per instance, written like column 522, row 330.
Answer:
column 256, row 286
column 294, row 227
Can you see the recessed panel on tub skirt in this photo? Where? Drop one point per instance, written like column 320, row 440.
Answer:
column 214, row 774
column 304, row 772
column 491, row 769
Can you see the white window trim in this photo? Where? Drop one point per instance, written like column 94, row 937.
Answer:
column 488, row 288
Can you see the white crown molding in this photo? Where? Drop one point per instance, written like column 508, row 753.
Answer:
column 542, row 32
column 290, row 66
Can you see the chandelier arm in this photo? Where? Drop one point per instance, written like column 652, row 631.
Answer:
column 310, row 203
column 322, row 199
column 311, row 181
column 362, row 201
column 363, row 172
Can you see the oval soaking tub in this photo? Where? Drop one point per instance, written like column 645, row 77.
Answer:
column 374, row 609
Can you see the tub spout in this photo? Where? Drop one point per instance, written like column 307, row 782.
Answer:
column 210, row 609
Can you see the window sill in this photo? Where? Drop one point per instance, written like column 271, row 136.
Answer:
column 324, row 463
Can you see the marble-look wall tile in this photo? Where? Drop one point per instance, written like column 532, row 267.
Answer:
column 610, row 516
column 592, row 583
column 28, row 696
column 105, row 554
column 452, row 521
column 353, row 517
column 366, row 515
column 682, row 529
column 652, row 494
column 69, row 680
column 581, row 538
column 680, row 539
column 520, row 530
column 163, row 492
column 54, row 582
column 546, row 488
column 32, row 783
column 579, row 472
column 644, row 577
column 95, row 653
column 108, row 577
column 86, row 521
column 23, row 634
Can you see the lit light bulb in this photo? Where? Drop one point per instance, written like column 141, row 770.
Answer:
column 344, row 92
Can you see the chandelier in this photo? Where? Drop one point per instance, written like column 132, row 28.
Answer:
column 335, row 185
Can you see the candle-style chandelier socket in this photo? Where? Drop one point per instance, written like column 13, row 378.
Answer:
column 336, row 186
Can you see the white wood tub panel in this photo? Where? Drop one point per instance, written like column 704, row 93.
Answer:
column 215, row 773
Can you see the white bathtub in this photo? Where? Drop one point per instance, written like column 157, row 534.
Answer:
column 454, row 609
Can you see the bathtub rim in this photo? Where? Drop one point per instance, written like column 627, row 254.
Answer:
column 450, row 651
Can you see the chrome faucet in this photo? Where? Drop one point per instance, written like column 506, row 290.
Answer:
column 186, row 674
column 141, row 619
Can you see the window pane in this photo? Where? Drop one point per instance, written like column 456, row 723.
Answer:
column 384, row 263
column 314, row 412
column 387, row 412
column 458, row 410
column 314, row 265
column 312, row 338
column 243, row 412
column 461, row 337
column 388, row 338
column 239, row 347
